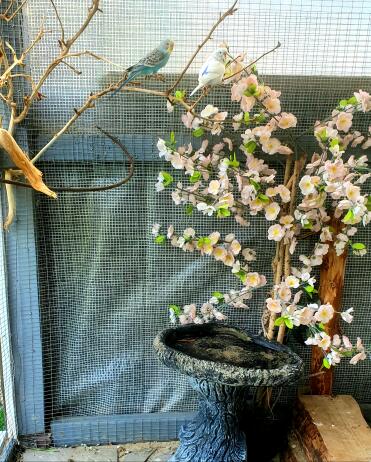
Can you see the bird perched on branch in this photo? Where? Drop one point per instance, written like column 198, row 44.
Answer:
column 212, row 71
column 150, row 64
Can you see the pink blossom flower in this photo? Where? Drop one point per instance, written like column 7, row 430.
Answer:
column 344, row 121
column 271, row 145
column 364, row 99
column 190, row 121
column 274, row 305
column 287, row 120
column 347, row 343
column 284, row 150
column 324, row 313
column 272, row 105
column 247, row 103
column 253, row 280
column 358, row 357
column 214, row 187
column 229, row 143
column 292, row 282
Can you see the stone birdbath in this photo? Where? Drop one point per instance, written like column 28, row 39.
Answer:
column 222, row 362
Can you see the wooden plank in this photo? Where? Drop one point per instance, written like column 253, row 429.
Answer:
column 332, row 429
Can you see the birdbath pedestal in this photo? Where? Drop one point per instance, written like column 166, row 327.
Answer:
column 222, row 362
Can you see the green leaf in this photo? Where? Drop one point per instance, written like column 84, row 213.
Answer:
column 349, row 216
column 195, row 177
column 326, row 363
column 260, row 119
column 172, row 138
column 309, row 289
column 250, row 146
column 343, row 103
column 160, row 239
column 334, row 142
column 189, row 209
column 321, row 326
column 308, row 225
column 358, row 246
column 241, row 275
column 202, row 241
column 223, row 212
column 218, row 295
column 323, row 135
column 246, row 118
column 251, row 90
column 368, row 203
column 168, row 179
column 233, row 162
column 279, row 321
column 263, row 198
column 180, row 94
column 289, row 323
column 353, row 100
column 255, row 184
column 175, row 309
column 198, row 132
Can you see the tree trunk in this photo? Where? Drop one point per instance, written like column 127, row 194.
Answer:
column 330, row 291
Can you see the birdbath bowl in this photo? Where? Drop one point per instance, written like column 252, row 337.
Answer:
column 222, row 362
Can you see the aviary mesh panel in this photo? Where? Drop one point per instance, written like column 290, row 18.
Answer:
column 104, row 285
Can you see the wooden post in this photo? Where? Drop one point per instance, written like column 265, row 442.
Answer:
column 330, row 291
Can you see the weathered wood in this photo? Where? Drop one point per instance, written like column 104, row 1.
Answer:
column 330, row 291
column 332, row 429
column 294, row 451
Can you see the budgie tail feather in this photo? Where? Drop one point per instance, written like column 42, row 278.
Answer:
column 131, row 76
column 196, row 89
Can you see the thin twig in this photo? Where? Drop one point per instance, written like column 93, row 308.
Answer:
column 10, row 201
column 65, row 48
column 5, row 16
column 229, row 12
column 253, row 62
column 89, row 104
column 62, row 42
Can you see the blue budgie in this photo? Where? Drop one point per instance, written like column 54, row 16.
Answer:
column 150, row 64
column 212, row 71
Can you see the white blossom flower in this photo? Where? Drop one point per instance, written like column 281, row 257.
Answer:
column 214, row 187
column 324, row 341
column 276, row 233
column 253, row 280
column 205, row 208
column 220, row 253
column 324, row 313
column 249, row 254
column 189, row 233
column 214, row 237
column 292, row 282
column 209, row 111
column 347, row 316
column 155, row 229
column 306, row 185
column 271, row 211
column 235, row 247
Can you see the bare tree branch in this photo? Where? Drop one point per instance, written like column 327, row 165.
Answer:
column 65, row 48
column 4, row 16
column 229, row 12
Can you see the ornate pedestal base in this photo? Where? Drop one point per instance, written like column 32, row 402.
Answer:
column 214, row 435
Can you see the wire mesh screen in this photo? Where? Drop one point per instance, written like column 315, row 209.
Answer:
column 104, row 286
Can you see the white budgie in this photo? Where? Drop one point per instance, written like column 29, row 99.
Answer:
column 212, row 71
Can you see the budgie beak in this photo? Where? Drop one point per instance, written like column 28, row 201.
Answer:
column 170, row 47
